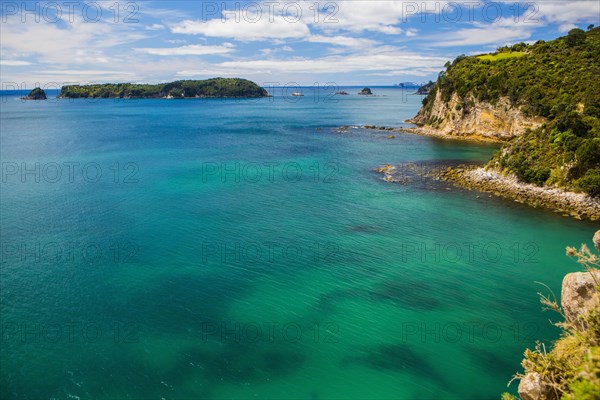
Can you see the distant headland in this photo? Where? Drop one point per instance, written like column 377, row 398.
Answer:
column 208, row 88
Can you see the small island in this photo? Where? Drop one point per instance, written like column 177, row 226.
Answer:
column 365, row 92
column 209, row 88
column 36, row 94
column 342, row 93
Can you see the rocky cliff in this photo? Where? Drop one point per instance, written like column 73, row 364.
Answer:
column 541, row 99
column 473, row 117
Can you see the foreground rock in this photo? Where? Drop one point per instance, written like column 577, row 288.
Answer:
column 365, row 92
column 36, row 94
column 533, row 387
column 580, row 302
column 578, row 295
column 578, row 205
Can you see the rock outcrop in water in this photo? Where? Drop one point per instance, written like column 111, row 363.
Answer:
column 36, row 94
column 365, row 92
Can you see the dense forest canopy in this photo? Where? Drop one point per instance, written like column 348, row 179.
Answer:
column 216, row 87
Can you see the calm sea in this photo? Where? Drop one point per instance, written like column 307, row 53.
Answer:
column 242, row 249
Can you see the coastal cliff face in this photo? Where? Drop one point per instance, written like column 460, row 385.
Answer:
column 473, row 117
column 541, row 99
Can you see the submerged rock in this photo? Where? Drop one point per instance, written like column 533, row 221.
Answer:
column 342, row 93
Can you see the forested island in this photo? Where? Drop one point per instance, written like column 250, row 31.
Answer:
column 209, row 88
column 542, row 100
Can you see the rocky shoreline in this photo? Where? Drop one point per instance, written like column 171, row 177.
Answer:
column 423, row 131
column 571, row 204
column 577, row 205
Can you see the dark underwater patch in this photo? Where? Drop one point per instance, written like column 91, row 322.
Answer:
column 417, row 295
column 396, row 358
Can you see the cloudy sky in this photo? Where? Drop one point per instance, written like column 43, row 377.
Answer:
column 347, row 42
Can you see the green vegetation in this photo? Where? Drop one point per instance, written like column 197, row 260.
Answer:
column 501, row 56
column 216, row 87
column 425, row 89
column 558, row 80
column 571, row 369
column 36, row 94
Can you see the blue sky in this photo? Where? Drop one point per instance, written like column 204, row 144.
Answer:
column 301, row 42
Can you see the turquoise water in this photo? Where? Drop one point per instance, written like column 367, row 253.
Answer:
column 237, row 249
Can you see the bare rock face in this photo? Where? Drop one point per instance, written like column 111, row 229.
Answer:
column 533, row 387
column 597, row 240
column 579, row 294
column 474, row 117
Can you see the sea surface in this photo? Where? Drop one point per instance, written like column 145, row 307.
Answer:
column 245, row 249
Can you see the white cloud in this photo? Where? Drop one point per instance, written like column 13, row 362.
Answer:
column 501, row 32
column 287, row 48
column 382, row 60
column 190, row 50
column 376, row 15
column 566, row 27
column 342, row 41
column 155, row 27
column 14, row 63
column 78, row 42
column 572, row 12
column 243, row 29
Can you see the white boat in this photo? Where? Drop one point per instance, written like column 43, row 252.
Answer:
column 297, row 94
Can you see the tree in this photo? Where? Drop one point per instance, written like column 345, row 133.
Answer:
column 575, row 36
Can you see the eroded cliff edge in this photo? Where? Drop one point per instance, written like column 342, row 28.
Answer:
column 472, row 117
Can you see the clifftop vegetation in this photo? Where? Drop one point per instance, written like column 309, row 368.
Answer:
column 215, row 87
column 558, row 80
